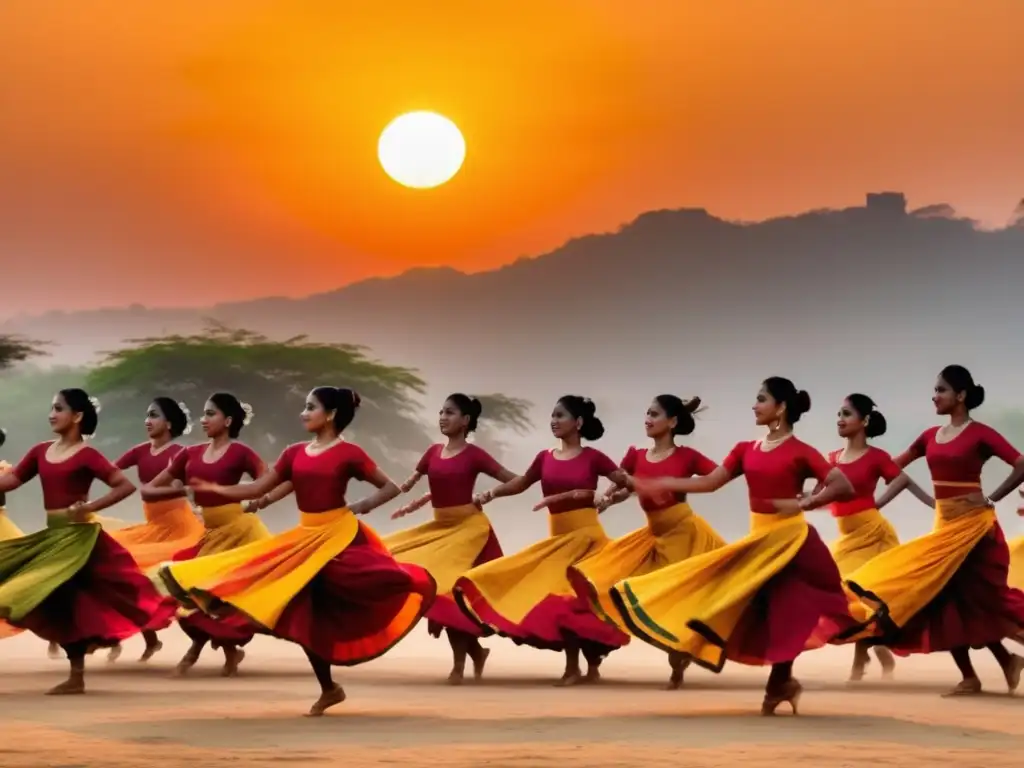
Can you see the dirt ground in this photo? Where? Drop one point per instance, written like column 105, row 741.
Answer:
column 400, row 711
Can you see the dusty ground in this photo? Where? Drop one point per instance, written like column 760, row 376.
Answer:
column 400, row 712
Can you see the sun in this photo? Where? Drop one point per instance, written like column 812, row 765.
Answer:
column 421, row 149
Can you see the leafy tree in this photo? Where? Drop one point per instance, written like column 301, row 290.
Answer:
column 17, row 349
column 500, row 413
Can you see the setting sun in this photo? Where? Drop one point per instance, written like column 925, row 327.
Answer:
column 421, row 149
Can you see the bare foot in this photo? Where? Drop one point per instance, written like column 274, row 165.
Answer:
column 232, row 659
column 479, row 662
column 327, row 700
column 679, row 665
column 187, row 662
column 70, row 687
column 968, row 687
column 857, row 673
column 151, row 651
column 455, row 677
column 569, row 679
column 1013, row 672
column 593, row 675
column 114, row 654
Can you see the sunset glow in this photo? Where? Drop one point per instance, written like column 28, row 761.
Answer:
column 421, row 150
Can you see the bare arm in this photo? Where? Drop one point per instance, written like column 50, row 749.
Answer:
column 163, row 486
column 1011, row 483
column 706, row 484
column 411, row 507
column 120, row 488
column 386, row 491
column 411, row 481
column 900, row 484
column 513, row 487
column 9, row 481
column 273, row 497
column 837, row 487
column 263, row 484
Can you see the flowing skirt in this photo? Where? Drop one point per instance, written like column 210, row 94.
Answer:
column 944, row 590
column 171, row 526
column 328, row 584
column 760, row 600
column 861, row 537
column 8, row 530
column 1016, row 575
column 457, row 539
column 71, row 583
column 527, row 596
column 226, row 528
column 670, row 536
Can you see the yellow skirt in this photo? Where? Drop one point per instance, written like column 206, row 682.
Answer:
column 670, row 536
column 1016, row 578
column 447, row 546
column 861, row 537
column 527, row 596
column 171, row 526
column 361, row 602
column 8, row 530
column 228, row 527
column 760, row 600
column 946, row 589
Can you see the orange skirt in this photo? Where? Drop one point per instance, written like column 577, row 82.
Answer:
column 171, row 526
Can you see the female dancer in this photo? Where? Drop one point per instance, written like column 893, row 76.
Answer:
column 673, row 532
column 863, row 532
column 460, row 536
column 329, row 584
column 71, row 583
column 767, row 597
column 527, row 596
column 8, row 530
column 947, row 590
column 1016, row 577
column 171, row 525
column 227, row 525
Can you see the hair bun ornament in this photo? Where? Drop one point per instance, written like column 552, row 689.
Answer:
column 188, row 419
column 96, row 404
column 249, row 414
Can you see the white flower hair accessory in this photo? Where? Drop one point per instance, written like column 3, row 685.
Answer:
column 249, row 413
column 188, row 419
column 95, row 404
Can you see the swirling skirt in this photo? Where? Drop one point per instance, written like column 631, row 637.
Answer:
column 670, row 536
column 328, row 584
column 171, row 526
column 457, row 539
column 760, row 600
column 527, row 596
column 862, row 537
column 71, row 583
column 944, row 590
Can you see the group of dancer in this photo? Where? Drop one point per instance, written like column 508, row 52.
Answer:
column 346, row 595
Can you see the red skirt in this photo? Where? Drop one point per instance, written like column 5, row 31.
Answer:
column 229, row 630
column 445, row 612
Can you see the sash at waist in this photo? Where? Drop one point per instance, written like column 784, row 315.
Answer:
column 851, row 523
column 321, row 519
column 664, row 520
column 453, row 515
column 224, row 514
column 573, row 520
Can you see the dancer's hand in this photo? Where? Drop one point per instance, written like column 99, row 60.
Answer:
column 80, row 510
column 196, row 484
column 411, row 507
column 603, row 503
column 483, row 498
column 547, row 501
column 359, row 508
column 649, row 486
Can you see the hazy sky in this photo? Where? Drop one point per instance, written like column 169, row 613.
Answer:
column 195, row 151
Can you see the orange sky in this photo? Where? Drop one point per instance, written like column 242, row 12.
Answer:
column 195, row 151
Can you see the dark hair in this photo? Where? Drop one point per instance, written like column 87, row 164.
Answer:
column 784, row 391
column 3, row 436
column 468, row 406
column 583, row 408
column 231, row 407
column 176, row 417
column 680, row 410
column 343, row 401
column 866, row 409
column 78, row 401
column 960, row 380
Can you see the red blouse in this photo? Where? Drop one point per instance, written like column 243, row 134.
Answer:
column 239, row 459
column 961, row 459
column 682, row 462
column 150, row 464
column 68, row 481
column 779, row 473
column 576, row 474
column 452, row 478
column 321, row 481
column 863, row 474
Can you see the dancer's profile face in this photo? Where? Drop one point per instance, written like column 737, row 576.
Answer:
column 314, row 417
column 657, row 423
column 563, row 423
column 156, row 423
column 766, row 409
column 214, row 422
column 944, row 398
column 62, row 418
column 849, row 422
column 450, row 420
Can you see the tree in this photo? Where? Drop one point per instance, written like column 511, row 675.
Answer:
column 17, row 349
column 274, row 378
column 500, row 413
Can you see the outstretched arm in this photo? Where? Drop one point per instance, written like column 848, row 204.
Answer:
column 900, row 484
column 120, row 488
column 273, row 497
column 386, row 491
column 265, row 483
column 707, row 484
column 837, row 487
